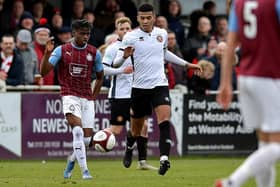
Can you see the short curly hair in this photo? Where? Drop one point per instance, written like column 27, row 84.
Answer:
column 80, row 23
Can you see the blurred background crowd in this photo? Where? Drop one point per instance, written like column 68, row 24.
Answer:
column 26, row 25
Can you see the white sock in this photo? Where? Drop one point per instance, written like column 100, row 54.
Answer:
column 142, row 161
column 72, row 157
column 266, row 178
column 163, row 157
column 79, row 147
column 260, row 160
column 87, row 141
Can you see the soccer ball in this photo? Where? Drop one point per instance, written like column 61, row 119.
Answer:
column 104, row 141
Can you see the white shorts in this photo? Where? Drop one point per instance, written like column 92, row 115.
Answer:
column 260, row 103
column 81, row 108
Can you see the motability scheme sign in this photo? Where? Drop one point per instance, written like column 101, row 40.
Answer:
column 208, row 129
column 46, row 134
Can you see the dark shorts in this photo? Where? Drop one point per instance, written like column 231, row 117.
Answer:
column 120, row 111
column 144, row 100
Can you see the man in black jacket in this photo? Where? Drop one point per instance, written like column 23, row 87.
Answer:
column 11, row 64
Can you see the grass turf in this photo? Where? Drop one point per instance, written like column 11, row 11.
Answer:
column 184, row 172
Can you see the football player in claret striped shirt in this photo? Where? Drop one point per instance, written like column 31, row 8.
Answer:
column 77, row 61
column 147, row 45
column 255, row 26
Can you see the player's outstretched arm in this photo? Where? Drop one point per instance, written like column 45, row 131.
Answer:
column 116, row 71
column 122, row 55
column 169, row 56
column 46, row 66
column 197, row 68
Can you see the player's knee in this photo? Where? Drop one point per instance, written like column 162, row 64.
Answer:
column 163, row 121
column 72, row 120
column 144, row 131
column 135, row 132
column 116, row 130
column 145, row 127
column 274, row 149
column 78, row 133
column 163, row 115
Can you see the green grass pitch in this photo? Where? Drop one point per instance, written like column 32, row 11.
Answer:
column 184, row 172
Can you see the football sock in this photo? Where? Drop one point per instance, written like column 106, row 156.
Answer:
column 142, row 147
column 262, row 159
column 163, row 157
column 79, row 147
column 72, row 157
column 88, row 141
column 130, row 140
column 164, row 140
column 267, row 177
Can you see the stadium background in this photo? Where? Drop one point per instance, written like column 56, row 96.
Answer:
column 30, row 147
column 32, row 126
column 187, row 5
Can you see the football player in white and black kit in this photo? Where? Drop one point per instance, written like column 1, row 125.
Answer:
column 147, row 45
column 120, row 93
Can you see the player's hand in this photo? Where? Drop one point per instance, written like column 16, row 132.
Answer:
column 38, row 79
column 3, row 75
column 49, row 46
column 197, row 70
column 128, row 69
column 128, row 52
column 224, row 95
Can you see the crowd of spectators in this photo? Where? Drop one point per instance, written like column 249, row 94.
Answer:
column 27, row 25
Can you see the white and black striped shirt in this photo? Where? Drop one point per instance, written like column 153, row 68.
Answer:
column 121, row 83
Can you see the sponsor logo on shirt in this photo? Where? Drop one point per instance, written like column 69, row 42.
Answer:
column 89, row 57
column 159, row 38
column 166, row 99
column 68, row 53
column 78, row 70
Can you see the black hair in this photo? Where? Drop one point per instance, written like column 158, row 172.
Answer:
column 80, row 23
column 178, row 4
column 146, row 8
column 221, row 17
column 208, row 5
column 7, row 35
column 169, row 31
column 88, row 11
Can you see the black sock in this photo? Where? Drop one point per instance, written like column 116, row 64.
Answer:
column 130, row 140
column 142, row 147
column 91, row 142
column 164, row 140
